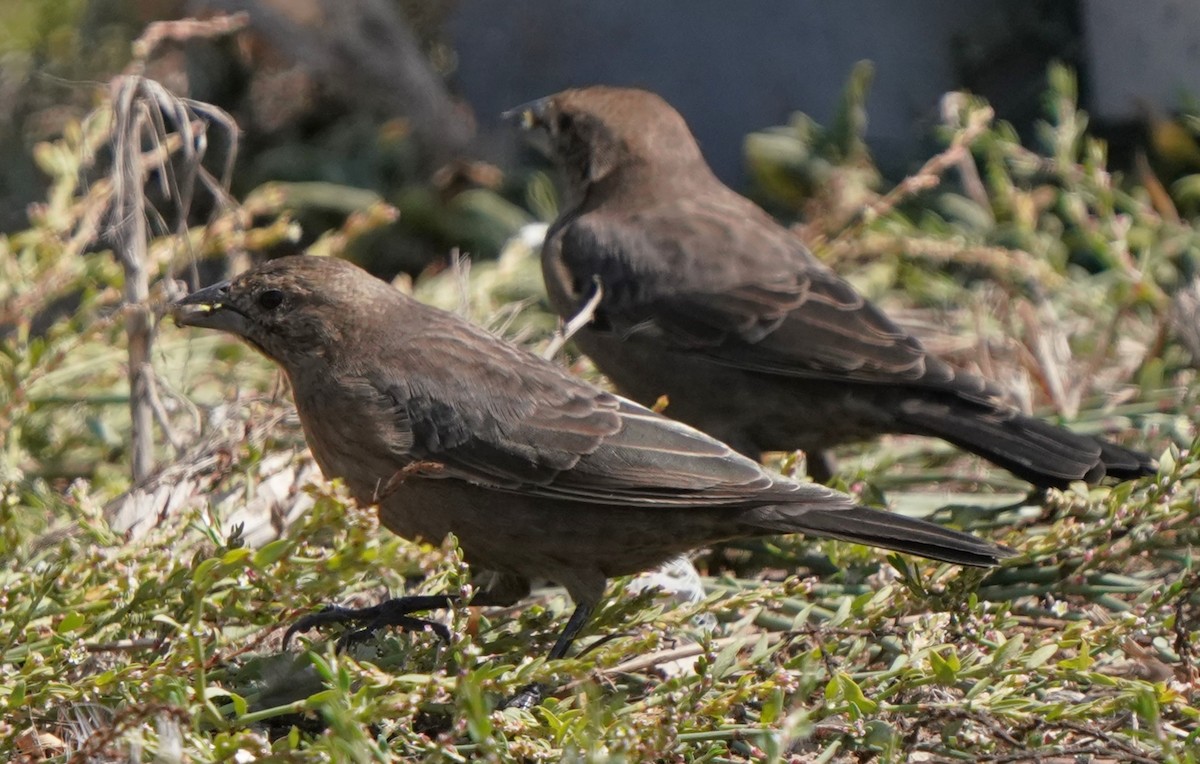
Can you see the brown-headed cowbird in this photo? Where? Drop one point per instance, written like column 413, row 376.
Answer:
column 538, row 473
column 701, row 296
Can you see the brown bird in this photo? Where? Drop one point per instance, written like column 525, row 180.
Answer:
column 538, row 473
column 699, row 295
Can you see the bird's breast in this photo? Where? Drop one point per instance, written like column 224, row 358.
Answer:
column 354, row 435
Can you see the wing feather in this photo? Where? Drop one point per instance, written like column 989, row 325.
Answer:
column 544, row 432
column 743, row 295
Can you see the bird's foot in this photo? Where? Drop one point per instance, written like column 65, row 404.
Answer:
column 527, row 697
column 393, row 612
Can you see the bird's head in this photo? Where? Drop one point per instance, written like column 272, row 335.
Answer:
column 598, row 131
column 293, row 309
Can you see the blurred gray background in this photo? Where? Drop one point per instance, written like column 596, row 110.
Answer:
column 735, row 68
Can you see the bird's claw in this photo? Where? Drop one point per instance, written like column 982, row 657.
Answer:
column 527, row 697
column 393, row 612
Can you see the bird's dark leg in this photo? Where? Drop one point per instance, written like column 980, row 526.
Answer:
column 820, row 466
column 531, row 694
column 393, row 612
column 575, row 624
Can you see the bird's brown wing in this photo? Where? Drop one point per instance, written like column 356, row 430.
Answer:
column 781, row 312
column 517, row 423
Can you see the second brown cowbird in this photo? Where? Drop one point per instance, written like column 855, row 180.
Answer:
column 538, row 473
column 701, row 296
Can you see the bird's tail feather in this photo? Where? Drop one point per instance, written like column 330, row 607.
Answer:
column 888, row 530
column 1042, row 453
column 1125, row 463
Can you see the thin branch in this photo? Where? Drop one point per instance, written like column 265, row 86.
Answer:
column 161, row 416
column 182, row 30
column 928, row 177
column 130, row 233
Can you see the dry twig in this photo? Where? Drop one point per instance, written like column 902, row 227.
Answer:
column 176, row 131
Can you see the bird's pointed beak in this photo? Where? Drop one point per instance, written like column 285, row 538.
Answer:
column 529, row 116
column 208, row 308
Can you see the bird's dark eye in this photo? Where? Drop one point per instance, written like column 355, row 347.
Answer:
column 270, row 299
column 564, row 122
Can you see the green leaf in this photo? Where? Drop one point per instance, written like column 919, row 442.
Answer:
column 70, row 622
column 771, row 707
column 1007, row 650
column 945, row 668
column 853, row 695
column 324, row 697
column 1040, row 656
column 204, row 571
column 272, row 552
column 239, row 703
column 726, row 659
column 1080, row 662
column 234, row 557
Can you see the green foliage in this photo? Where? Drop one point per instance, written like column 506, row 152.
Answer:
column 160, row 640
column 826, row 171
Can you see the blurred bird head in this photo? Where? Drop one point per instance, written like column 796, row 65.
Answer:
column 292, row 309
column 600, row 131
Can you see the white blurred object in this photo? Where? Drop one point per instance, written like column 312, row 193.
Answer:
column 679, row 580
column 531, row 236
